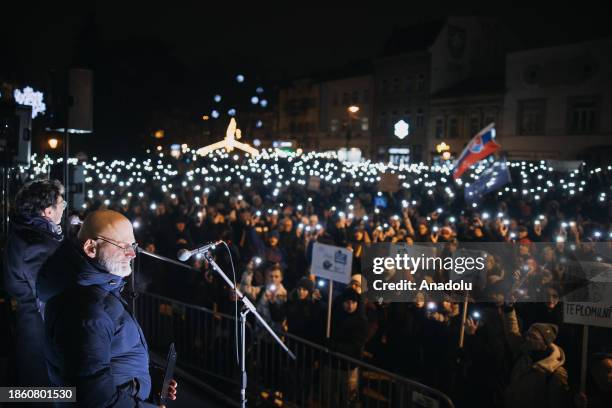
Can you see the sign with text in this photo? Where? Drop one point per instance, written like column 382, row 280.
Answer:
column 331, row 262
column 389, row 183
column 314, row 183
column 588, row 313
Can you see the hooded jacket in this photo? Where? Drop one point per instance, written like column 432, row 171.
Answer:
column 537, row 384
column 29, row 245
column 92, row 340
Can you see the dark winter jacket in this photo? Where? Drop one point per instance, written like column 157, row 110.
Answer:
column 304, row 318
column 92, row 340
column 349, row 331
column 536, row 384
column 30, row 243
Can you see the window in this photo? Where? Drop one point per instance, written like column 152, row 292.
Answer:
column 420, row 119
column 382, row 121
column 365, row 124
column 453, row 128
column 408, row 84
column 355, row 97
column 335, row 99
column 334, row 125
column 531, row 116
column 583, row 114
column 384, row 86
column 474, row 125
column 366, row 96
column 418, row 153
column 439, row 128
column 420, row 83
column 345, row 98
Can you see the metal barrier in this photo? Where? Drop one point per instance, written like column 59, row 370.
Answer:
column 205, row 343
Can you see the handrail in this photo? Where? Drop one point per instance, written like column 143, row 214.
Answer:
column 311, row 348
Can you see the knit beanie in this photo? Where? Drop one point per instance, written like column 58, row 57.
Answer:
column 547, row 331
column 306, row 283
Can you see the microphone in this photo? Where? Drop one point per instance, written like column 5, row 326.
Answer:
column 185, row 254
column 75, row 220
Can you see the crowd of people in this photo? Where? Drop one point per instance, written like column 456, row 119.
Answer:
column 270, row 210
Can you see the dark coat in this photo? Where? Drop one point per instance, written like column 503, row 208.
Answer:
column 304, row 318
column 30, row 243
column 349, row 332
column 92, row 341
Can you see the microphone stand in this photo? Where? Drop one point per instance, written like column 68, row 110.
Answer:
column 248, row 307
column 138, row 261
column 163, row 258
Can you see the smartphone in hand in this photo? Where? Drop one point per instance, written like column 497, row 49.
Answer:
column 168, row 374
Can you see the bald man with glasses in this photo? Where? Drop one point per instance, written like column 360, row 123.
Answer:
column 92, row 340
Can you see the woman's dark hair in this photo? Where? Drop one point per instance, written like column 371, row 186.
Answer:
column 37, row 195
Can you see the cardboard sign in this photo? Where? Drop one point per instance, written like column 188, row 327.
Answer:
column 331, row 262
column 389, row 183
column 588, row 313
column 314, row 183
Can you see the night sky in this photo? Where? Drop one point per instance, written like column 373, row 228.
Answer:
column 153, row 60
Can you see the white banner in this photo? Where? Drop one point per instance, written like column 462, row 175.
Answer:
column 331, row 262
column 588, row 313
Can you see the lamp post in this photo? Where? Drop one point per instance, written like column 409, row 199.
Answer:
column 353, row 109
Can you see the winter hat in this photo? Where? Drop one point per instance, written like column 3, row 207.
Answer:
column 350, row 294
column 274, row 233
column 306, row 283
column 547, row 331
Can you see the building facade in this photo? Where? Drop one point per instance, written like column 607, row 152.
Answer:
column 341, row 126
column 424, row 85
column 299, row 113
column 460, row 112
column 556, row 102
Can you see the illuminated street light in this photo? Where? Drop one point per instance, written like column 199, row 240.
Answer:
column 53, row 142
column 442, row 147
column 353, row 109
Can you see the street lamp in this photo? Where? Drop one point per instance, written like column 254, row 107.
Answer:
column 353, row 109
column 53, row 142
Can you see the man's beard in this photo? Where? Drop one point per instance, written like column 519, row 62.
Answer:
column 116, row 267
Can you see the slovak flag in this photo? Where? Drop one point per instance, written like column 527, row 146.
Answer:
column 481, row 146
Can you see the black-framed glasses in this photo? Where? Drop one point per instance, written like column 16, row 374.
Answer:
column 63, row 204
column 126, row 249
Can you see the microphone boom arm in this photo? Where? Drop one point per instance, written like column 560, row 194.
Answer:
column 163, row 258
column 247, row 303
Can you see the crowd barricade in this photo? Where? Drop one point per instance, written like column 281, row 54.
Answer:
column 206, row 345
